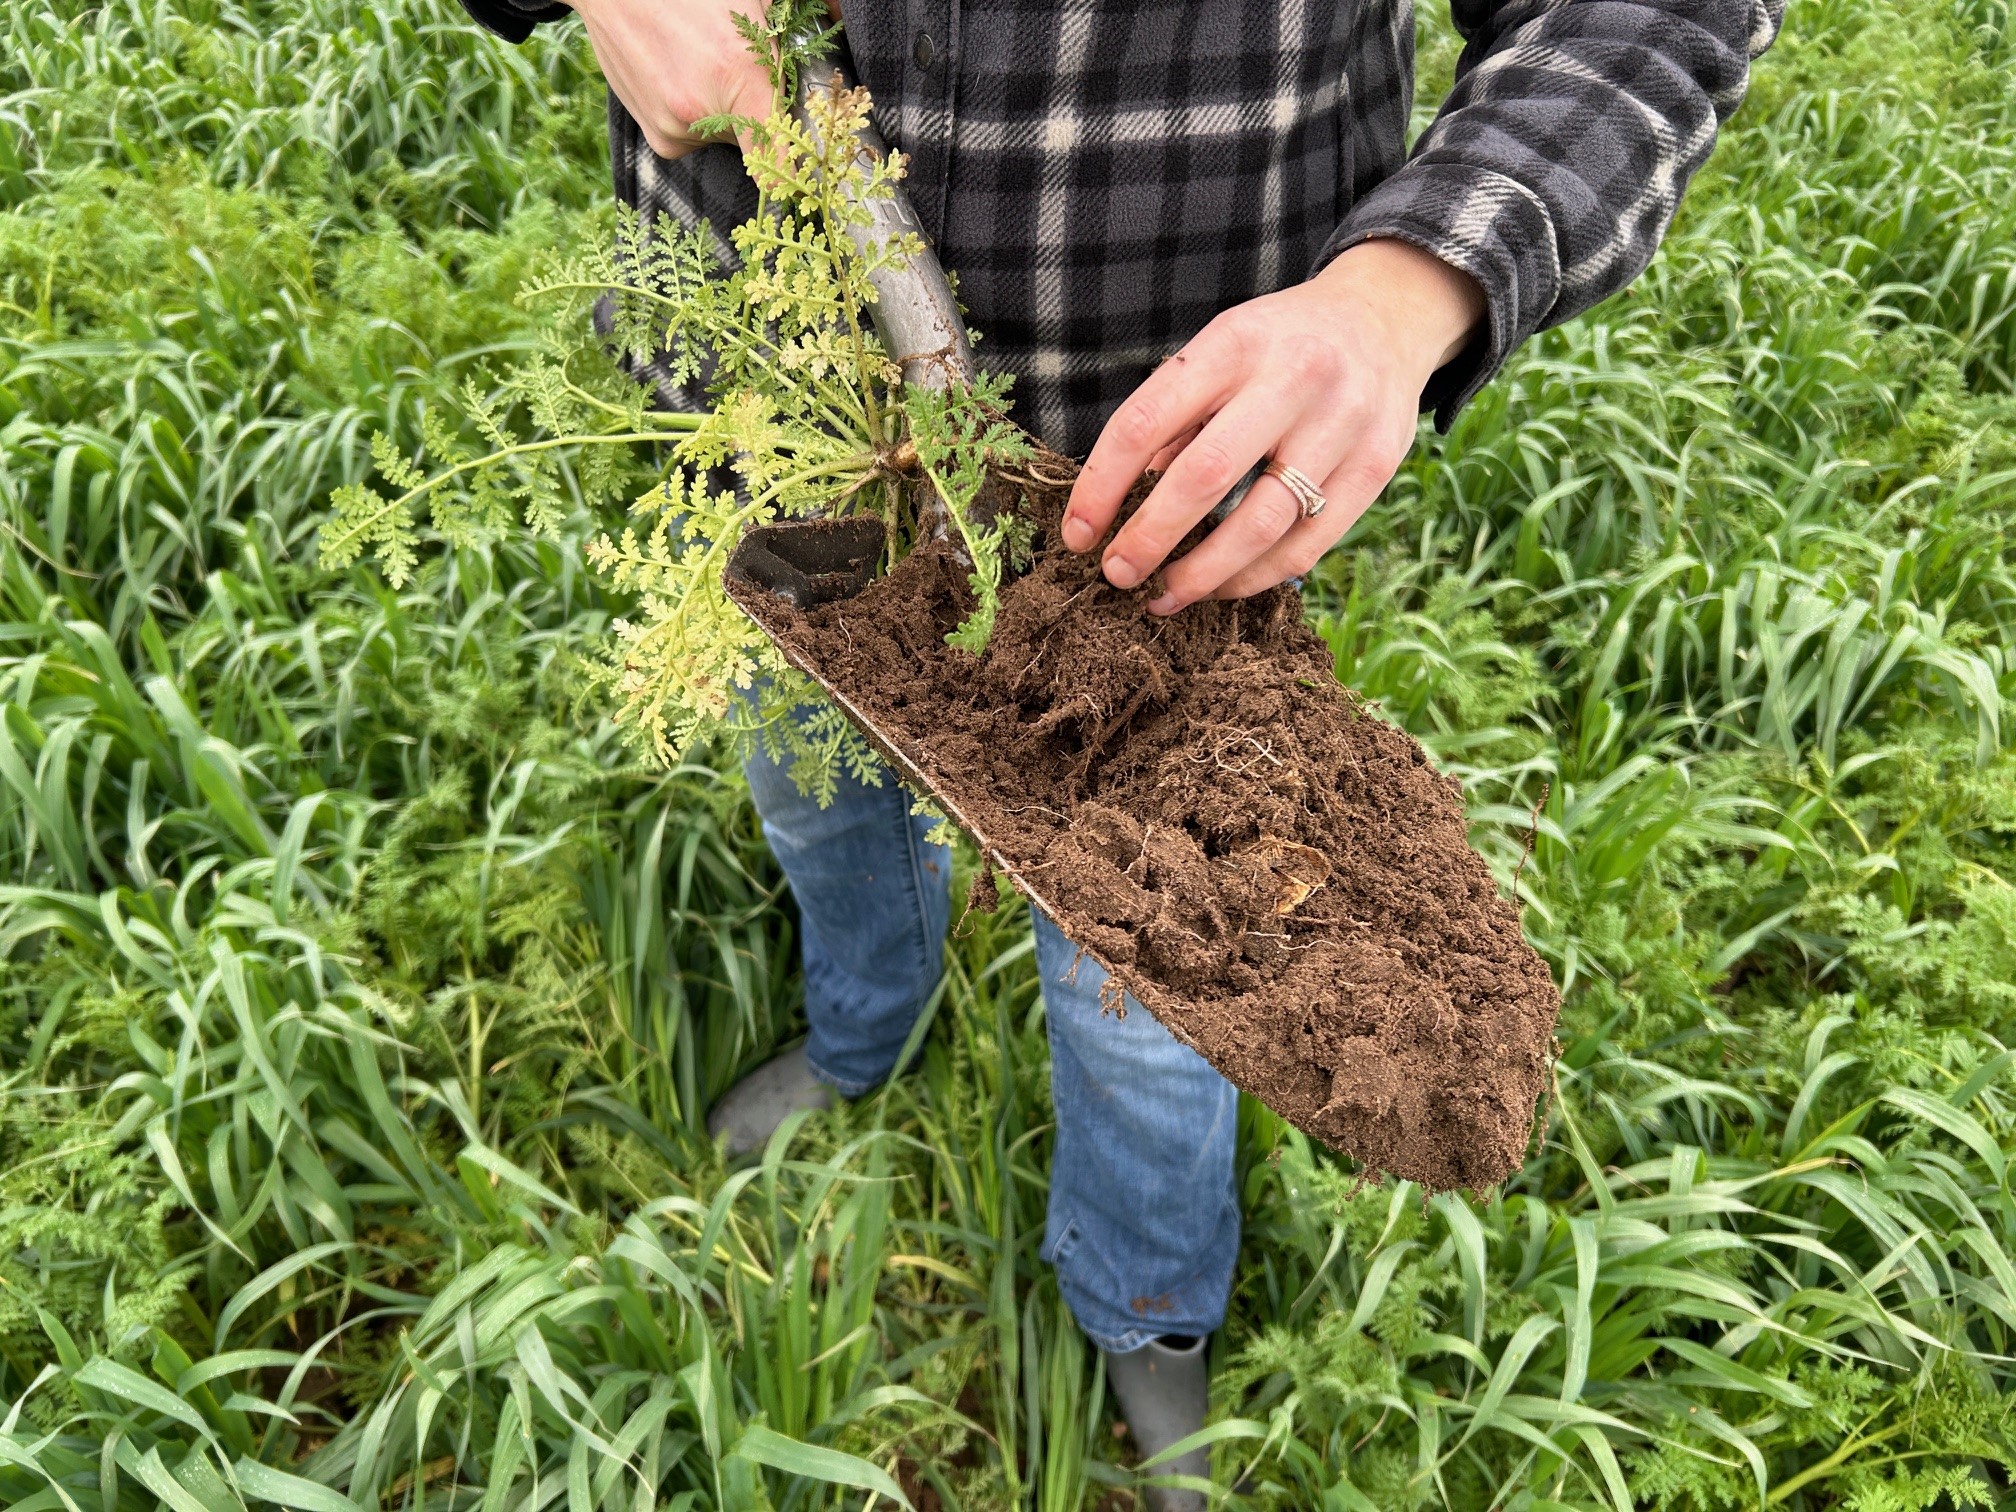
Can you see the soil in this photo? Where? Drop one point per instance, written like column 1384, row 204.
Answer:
column 1276, row 873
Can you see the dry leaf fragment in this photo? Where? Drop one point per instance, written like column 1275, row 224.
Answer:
column 1298, row 870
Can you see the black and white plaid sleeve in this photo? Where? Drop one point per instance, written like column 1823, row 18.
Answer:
column 1558, row 159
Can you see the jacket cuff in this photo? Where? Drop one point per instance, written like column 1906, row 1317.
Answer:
column 1484, row 224
column 513, row 23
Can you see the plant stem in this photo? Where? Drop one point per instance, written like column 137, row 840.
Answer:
column 675, row 422
column 672, row 420
column 958, row 515
column 601, row 288
column 843, row 244
column 1832, row 1463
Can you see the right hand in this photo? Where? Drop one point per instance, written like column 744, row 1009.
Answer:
column 674, row 62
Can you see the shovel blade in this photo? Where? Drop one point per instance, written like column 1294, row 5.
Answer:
column 773, row 611
column 806, row 563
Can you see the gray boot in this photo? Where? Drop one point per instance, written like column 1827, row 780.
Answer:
column 750, row 1111
column 1163, row 1392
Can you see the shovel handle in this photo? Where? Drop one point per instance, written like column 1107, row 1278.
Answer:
column 914, row 311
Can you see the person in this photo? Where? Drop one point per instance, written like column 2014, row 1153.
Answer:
column 1195, row 234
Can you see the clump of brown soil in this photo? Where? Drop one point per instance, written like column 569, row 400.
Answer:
column 1276, row 873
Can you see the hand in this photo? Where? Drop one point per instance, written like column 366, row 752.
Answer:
column 1325, row 377
column 674, row 62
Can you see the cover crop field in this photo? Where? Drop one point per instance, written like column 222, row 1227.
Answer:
column 362, row 996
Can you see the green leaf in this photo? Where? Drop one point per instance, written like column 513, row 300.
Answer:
column 489, row 1160
column 114, row 1379
column 262, row 1483
column 761, row 1446
column 1962, row 1125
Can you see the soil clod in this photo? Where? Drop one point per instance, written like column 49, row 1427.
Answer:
column 1280, row 876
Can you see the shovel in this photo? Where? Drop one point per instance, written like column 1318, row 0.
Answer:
column 1393, row 1093
column 777, row 571
column 810, row 562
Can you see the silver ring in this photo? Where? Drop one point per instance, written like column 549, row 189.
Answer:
column 1297, row 482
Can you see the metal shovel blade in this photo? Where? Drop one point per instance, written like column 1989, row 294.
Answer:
column 774, row 613
column 806, row 563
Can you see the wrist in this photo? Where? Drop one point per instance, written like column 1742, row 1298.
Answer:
column 1429, row 309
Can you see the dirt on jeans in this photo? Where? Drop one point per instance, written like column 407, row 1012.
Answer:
column 1279, row 875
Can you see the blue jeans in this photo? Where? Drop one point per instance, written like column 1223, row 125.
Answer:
column 1143, row 1225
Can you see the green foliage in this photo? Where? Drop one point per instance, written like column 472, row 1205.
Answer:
column 362, row 997
column 957, row 438
column 807, row 416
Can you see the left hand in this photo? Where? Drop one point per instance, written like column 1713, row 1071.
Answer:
column 1325, row 377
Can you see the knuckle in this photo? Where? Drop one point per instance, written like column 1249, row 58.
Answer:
column 1099, row 486
column 1385, row 463
column 1375, row 454
column 1307, row 358
column 1211, row 467
column 1268, row 512
column 1147, row 544
column 1138, row 423
column 1364, row 476
column 677, row 107
column 1352, row 414
column 1236, row 328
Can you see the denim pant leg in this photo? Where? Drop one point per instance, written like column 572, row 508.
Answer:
column 1144, row 1219
column 873, row 900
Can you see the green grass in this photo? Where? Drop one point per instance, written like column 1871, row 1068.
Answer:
column 361, row 996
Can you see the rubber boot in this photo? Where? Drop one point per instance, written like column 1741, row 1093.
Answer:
column 750, row 1111
column 1163, row 1390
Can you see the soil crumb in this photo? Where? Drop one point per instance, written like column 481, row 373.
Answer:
column 982, row 895
column 1279, row 875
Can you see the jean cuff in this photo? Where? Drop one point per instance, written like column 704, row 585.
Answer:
column 840, row 1084
column 1133, row 1339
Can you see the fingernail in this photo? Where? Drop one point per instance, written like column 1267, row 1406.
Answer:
column 1077, row 534
column 1164, row 605
column 1120, row 572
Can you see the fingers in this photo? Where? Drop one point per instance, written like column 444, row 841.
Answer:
column 1294, row 555
column 1266, row 516
column 1161, row 460
column 1326, row 383
column 1200, row 476
column 750, row 96
column 674, row 65
column 669, row 141
column 1349, row 490
column 742, row 91
column 1176, row 399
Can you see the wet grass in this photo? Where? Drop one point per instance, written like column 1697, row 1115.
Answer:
column 361, row 997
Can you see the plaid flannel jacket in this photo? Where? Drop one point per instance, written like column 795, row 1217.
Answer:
column 1105, row 176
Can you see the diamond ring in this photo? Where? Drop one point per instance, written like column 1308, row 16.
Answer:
column 1307, row 494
